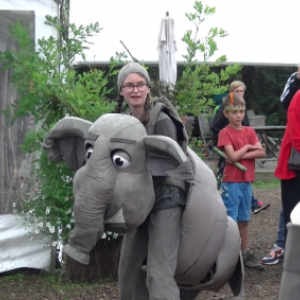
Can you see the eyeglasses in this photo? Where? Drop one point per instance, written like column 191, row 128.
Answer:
column 141, row 87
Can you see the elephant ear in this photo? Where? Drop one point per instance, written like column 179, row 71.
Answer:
column 166, row 158
column 64, row 142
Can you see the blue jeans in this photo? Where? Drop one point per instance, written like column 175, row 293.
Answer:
column 280, row 240
column 219, row 175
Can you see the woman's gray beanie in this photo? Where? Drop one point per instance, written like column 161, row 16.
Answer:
column 132, row 67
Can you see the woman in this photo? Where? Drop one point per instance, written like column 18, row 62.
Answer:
column 290, row 179
column 158, row 237
column 276, row 254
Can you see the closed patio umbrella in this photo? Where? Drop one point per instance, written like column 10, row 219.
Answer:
column 167, row 49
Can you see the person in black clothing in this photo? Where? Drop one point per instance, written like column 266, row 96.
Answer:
column 219, row 122
column 291, row 87
column 277, row 253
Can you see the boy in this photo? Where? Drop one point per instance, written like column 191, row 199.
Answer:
column 218, row 123
column 241, row 144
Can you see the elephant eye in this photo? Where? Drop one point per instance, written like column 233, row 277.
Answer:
column 121, row 159
column 89, row 152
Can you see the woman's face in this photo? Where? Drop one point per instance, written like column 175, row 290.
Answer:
column 239, row 91
column 135, row 90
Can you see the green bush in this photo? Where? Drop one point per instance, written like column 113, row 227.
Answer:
column 195, row 90
column 49, row 89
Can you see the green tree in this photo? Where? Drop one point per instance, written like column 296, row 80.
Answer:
column 49, row 89
column 198, row 84
column 48, row 84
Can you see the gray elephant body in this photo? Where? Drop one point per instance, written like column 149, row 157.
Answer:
column 290, row 279
column 114, row 191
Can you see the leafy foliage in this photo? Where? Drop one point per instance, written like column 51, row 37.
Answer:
column 48, row 85
column 264, row 87
column 198, row 83
column 48, row 207
column 49, row 89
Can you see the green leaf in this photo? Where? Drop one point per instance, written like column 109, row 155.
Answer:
column 198, row 84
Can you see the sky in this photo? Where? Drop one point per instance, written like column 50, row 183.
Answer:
column 41, row 8
column 260, row 31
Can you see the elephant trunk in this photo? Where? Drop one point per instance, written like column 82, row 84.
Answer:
column 93, row 193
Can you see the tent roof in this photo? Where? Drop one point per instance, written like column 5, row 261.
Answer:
column 84, row 63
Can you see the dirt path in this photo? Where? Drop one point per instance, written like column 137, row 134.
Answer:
column 258, row 285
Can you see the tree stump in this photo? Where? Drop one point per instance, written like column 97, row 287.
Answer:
column 104, row 261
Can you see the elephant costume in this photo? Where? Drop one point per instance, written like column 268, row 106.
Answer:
column 290, row 279
column 113, row 191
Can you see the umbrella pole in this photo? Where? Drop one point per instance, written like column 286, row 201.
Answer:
column 133, row 58
column 168, row 92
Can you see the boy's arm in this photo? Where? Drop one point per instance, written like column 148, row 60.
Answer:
column 236, row 155
column 224, row 142
column 257, row 152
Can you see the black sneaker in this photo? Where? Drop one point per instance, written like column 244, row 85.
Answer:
column 259, row 207
column 250, row 261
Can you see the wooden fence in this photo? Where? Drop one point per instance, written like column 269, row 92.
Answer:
column 14, row 165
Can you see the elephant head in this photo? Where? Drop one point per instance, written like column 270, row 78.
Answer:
column 113, row 184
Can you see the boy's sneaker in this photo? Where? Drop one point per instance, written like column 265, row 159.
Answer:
column 275, row 257
column 250, row 261
column 259, row 207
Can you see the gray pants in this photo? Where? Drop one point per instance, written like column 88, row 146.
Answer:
column 160, row 241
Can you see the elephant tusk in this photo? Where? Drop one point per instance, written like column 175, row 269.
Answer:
column 116, row 223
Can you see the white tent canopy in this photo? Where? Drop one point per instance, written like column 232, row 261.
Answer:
column 260, row 32
column 21, row 247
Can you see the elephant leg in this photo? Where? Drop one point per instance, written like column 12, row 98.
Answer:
column 132, row 281
column 164, row 236
column 237, row 298
column 141, row 290
column 289, row 286
column 236, row 282
column 188, row 294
